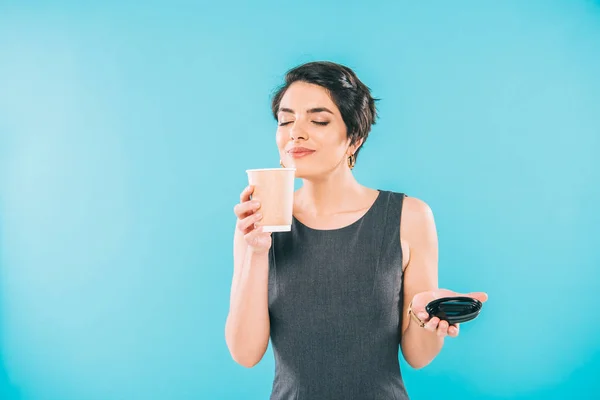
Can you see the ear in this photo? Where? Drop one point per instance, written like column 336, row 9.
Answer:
column 352, row 149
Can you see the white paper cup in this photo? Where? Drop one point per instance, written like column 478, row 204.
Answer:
column 274, row 189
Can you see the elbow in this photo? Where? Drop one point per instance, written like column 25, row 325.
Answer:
column 243, row 354
column 418, row 356
column 246, row 350
column 247, row 362
column 418, row 363
column 244, row 358
column 416, row 360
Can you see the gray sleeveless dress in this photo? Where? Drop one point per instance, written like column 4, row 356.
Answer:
column 335, row 308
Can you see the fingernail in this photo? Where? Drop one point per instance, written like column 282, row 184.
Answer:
column 258, row 215
column 423, row 315
column 255, row 204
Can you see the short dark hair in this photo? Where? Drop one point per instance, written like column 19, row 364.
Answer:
column 351, row 96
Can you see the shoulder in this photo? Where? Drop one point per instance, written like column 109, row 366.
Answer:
column 415, row 208
column 417, row 218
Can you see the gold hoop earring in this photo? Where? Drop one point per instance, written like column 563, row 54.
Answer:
column 281, row 163
column 351, row 161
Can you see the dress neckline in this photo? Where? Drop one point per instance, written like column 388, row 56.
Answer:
column 349, row 226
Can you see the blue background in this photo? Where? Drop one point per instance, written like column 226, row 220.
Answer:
column 125, row 130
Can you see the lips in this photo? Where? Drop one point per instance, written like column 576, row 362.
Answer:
column 298, row 152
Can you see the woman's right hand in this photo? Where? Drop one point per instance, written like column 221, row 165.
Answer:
column 247, row 212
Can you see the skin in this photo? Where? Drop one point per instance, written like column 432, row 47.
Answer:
column 331, row 198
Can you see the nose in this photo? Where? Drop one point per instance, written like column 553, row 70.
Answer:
column 296, row 132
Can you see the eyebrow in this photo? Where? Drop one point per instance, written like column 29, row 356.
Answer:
column 310, row 111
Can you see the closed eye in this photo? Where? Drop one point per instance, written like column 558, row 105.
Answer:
column 320, row 123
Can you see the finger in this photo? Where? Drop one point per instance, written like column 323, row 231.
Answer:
column 419, row 311
column 481, row 296
column 442, row 329
column 453, row 330
column 423, row 315
column 242, row 210
column 245, row 195
column 432, row 325
column 418, row 307
column 246, row 225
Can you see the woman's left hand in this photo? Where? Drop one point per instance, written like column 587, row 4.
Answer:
column 441, row 328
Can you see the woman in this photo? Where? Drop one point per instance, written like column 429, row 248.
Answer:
column 335, row 292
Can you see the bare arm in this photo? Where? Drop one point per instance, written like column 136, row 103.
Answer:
column 419, row 346
column 247, row 327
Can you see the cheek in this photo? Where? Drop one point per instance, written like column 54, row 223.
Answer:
column 335, row 140
column 279, row 139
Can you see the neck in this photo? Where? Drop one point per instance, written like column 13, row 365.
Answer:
column 334, row 193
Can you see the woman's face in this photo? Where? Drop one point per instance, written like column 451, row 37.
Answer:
column 311, row 134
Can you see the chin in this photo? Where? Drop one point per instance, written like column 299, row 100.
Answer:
column 306, row 170
column 307, row 173
column 300, row 173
